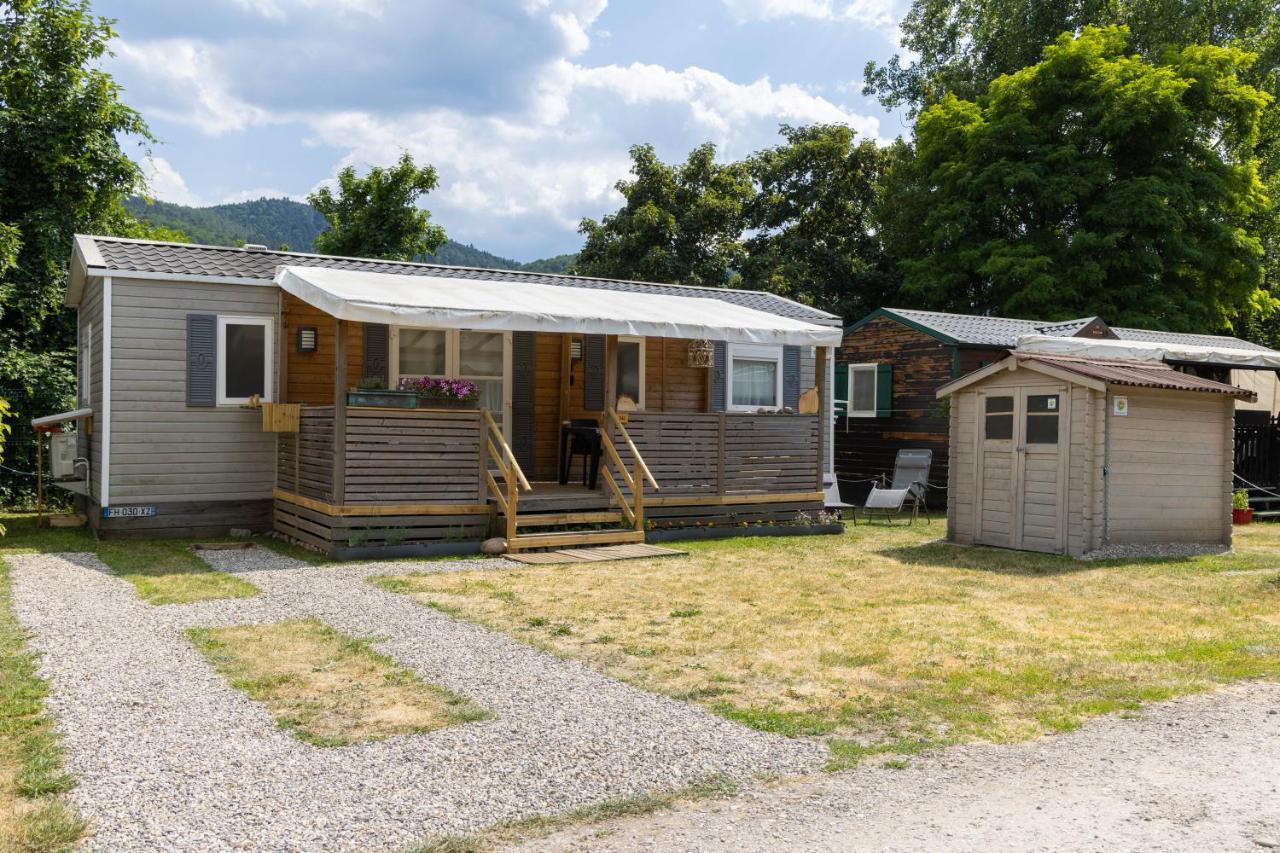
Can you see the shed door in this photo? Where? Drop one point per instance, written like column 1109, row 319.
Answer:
column 1022, row 468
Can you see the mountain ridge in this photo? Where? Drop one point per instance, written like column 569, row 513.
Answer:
column 283, row 222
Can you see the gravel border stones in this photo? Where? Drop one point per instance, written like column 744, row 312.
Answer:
column 168, row 755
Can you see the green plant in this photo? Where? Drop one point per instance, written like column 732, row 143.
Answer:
column 1240, row 499
column 372, row 383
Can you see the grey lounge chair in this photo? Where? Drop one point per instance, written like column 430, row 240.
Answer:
column 910, row 482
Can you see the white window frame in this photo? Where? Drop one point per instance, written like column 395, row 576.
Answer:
column 268, row 325
column 874, row 370
column 753, row 352
column 452, row 362
column 631, row 339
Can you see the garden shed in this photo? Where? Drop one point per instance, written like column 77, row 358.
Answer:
column 1065, row 454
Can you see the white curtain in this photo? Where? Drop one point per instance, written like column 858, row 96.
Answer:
column 755, row 383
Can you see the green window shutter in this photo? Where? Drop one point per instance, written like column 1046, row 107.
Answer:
column 842, row 390
column 884, row 390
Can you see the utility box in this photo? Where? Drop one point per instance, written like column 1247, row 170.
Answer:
column 62, row 455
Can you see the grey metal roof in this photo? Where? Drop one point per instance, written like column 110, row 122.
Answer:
column 1004, row 331
column 221, row 261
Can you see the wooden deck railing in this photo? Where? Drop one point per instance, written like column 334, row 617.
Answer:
column 635, row 479
column 726, row 454
column 501, row 455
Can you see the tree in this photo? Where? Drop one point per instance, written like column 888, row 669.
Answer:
column 1094, row 182
column 679, row 224
column 960, row 47
column 377, row 216
column 61, row 172
column 813, row 221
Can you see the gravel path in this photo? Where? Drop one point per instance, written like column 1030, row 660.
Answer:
column 1200, row 773
column 168, row 755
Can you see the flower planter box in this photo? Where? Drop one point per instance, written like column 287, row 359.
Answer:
column 674, row 534
column 446, row 403
column 384, row 399
column 1242, row 516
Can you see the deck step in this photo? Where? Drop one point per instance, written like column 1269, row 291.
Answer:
column 549, row 519
column 569, row 538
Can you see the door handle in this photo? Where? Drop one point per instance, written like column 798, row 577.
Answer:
column 1022, row 448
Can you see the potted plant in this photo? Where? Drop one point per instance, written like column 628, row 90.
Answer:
column 1241, row 512
column 443, row 393
column 373, row 391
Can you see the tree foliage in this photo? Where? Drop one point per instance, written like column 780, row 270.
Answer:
column 679, row 223
column 812, row 220
column 960, row 47
column 1093, row 182
column 376, row 216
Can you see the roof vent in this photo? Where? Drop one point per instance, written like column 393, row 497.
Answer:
column 254, row 247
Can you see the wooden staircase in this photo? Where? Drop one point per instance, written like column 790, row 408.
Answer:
column 538, row 528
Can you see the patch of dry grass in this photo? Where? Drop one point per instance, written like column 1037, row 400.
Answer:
column 887, row 642
column 327, row 688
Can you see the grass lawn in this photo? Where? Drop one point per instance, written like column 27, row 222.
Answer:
column 327, row 688
column 883, row 641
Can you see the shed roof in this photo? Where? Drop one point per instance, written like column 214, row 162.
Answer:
column 1098, row 372
column 119, row 254
column 978, row 330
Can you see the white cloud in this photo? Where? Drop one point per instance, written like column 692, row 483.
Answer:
column 871, row 13
column 165, row 183
column 182, row 82
column 280, row 10
column 523, row 179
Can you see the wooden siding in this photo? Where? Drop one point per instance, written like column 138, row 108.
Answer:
column 867, row 447
column 670, row 384
column 161, row 449
column 304, row 463
column 309, row 375
column 1169, row 472
column 699, row 455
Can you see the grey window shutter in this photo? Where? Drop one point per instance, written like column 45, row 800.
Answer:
column 202, row 360
column 377, row 360
column 719, row 374
column 593, row 366
column 523, row 378
column 791, row 377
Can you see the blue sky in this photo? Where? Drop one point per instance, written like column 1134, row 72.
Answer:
column 525, row 107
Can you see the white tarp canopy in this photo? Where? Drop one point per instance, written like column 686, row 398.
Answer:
column 423, row 300
column 1183, row 353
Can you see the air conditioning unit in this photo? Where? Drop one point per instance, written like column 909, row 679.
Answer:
column 62, row 455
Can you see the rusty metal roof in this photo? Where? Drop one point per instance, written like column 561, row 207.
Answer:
column 1136, row 374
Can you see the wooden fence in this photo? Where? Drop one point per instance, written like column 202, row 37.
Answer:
column 727, row 454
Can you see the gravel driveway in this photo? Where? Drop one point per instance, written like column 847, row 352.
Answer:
column 168, row 755
column 1196, row 774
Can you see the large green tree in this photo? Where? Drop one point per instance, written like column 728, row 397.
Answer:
column 959, row 47
column 62, row 171
column 377, row 215
column 1094, row 182
column 812, row 221
column 679, row 223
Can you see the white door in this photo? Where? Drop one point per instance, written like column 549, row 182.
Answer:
column 1021, row 468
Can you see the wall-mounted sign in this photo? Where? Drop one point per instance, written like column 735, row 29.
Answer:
column 1120, row 406
column 128, row 511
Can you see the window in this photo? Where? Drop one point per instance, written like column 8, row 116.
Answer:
column 862, row 390
column 471, row 354
column 244, row 359
column 999, row 414
column 755, row 378
column 1042, row 419
column 628, row 377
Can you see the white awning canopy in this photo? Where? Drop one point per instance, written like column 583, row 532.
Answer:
column 1179, row 353
column 433, row 301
